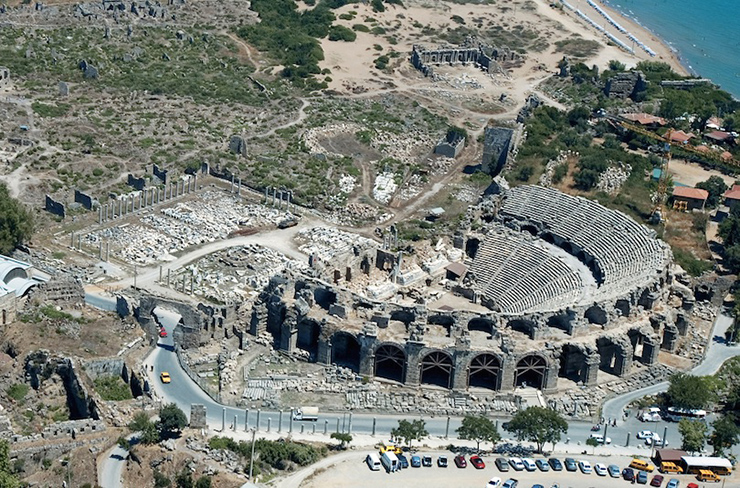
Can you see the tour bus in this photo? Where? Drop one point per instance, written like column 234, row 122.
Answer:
column 675, row 414
column 697, row 464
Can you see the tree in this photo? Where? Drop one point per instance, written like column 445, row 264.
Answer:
column 203, row 482
column 615, row 65
column 171, row 420
column 184, row 479
column 716, row 187
column 687, row 391
column 537, row 424
column 693, row 435
column 410, row 431
column 725, row 434
column 7, row 480
column 343, row 439
column 593, row 443
column 479, row 429
column 149, row 433
column 16, row 223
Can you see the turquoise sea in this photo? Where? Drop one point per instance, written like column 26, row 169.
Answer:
column 705, row 33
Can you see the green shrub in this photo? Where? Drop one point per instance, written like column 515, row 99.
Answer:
column 112, row 388
column 46, row 110
column 341, row 33
column 18, row 391
column 361, row 28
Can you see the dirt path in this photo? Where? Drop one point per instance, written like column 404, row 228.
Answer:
column 244, row 48
column 301, row 117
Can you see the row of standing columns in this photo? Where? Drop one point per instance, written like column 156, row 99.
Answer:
column 103, row 247
column 276, row 197
column 126, row 204
column 180, row 282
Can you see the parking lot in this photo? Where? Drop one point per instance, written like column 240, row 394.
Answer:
column 355, row 472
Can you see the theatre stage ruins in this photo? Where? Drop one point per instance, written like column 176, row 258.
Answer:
column 536, row 291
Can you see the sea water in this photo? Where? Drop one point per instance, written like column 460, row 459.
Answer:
column 705, row 34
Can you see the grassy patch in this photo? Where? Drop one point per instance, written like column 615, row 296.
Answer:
column 577, row 47
column 46, row 110
column 18, row 391
column 112, row 388
column 693, row 266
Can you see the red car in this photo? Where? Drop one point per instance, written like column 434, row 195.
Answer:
column 477, row 462
column 657, row 480
column 162, row 332
column 460, row 461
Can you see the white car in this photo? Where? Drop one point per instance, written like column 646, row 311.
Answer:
column 585, row 466
column 600, row 469
column 600, row 439
column 529, row 464
column 494, row 482
column 516, row 463
column 654, row 440
column 645, row 434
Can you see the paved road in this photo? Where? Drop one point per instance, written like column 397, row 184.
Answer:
column 111, row 470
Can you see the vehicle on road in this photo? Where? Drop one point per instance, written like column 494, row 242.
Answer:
column 672, row 483
column 403, row 462
column 542, row 464
column 600, row 469
column 390, row 462
column 529, row 464
column 460, row 461
column 162, row 332
column 601, row 439
column 516, row 463
column 510, row 483
column 442, row 461
column 373, row 461
column 309, row 414
column 613, row 470
column 502, row 464
column 585, row 466
column 655, row 439
column 675, row 414
column 642, row 477
column 494, row 482
column 657, row 480
column 164, row 376
column 570, row 464
column 389, row 446
column 426, row 461
column 477, row 462
column 555, row 464
column 628, row 474
column 642, row 465
column 645, row 434
column 415, row 461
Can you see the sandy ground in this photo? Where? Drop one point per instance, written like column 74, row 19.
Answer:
column 692, row 173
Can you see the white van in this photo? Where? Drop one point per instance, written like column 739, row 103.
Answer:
column 390, row 461
column 373, row 461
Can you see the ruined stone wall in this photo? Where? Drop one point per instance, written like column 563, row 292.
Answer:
column 52, row 206
column 84, row 199
column 496, row 147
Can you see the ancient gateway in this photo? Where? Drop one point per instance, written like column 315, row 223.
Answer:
column 549, row 286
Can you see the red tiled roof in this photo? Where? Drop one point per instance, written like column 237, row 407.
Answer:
column 733, row 194
column 645, row 119
column 681, row 136
column 688, row 192
column 718, row 135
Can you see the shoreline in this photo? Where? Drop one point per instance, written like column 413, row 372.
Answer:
column 675, row 54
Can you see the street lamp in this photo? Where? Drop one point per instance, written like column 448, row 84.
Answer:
column 251, row 458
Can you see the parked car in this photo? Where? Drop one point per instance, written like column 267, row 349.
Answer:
column 555, row 464
column 494, row 482
column 537, row 486
column 645, row 434
column 415, row 461
column 510, row 483
column 460, row 461
column 642, row 477
column 477, row 462
column 502, row 464
column 542, row 464
column 601, row 439
column 657, row 480
column 529, row 464
column 600, row 469
column 585, row 466
column 613, row 470
column 570, row 464
column 442, row 461
column 628, row 474
column 402, row 461
column 426, row 461
column 516, row 463
column 672, row 483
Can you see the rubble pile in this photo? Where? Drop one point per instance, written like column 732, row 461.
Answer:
column 328, row 242
column 355, row 213
column 466, row 193
column 552, row 165
column 347, row 183
column 384, row 187
column 405, row 147
column 440, row 165
column 413, row 186
column 611, row 180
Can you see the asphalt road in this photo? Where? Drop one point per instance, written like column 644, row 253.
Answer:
column 111, row 470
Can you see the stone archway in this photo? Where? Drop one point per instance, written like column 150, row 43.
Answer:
column 522, row 325
column 531, row 370
column 436, row 369
column 481, row 324
column 573, row 363
column 390, row 362
column 484, row 372
column 308, row 337
column 345, row 351
column 615, row 357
